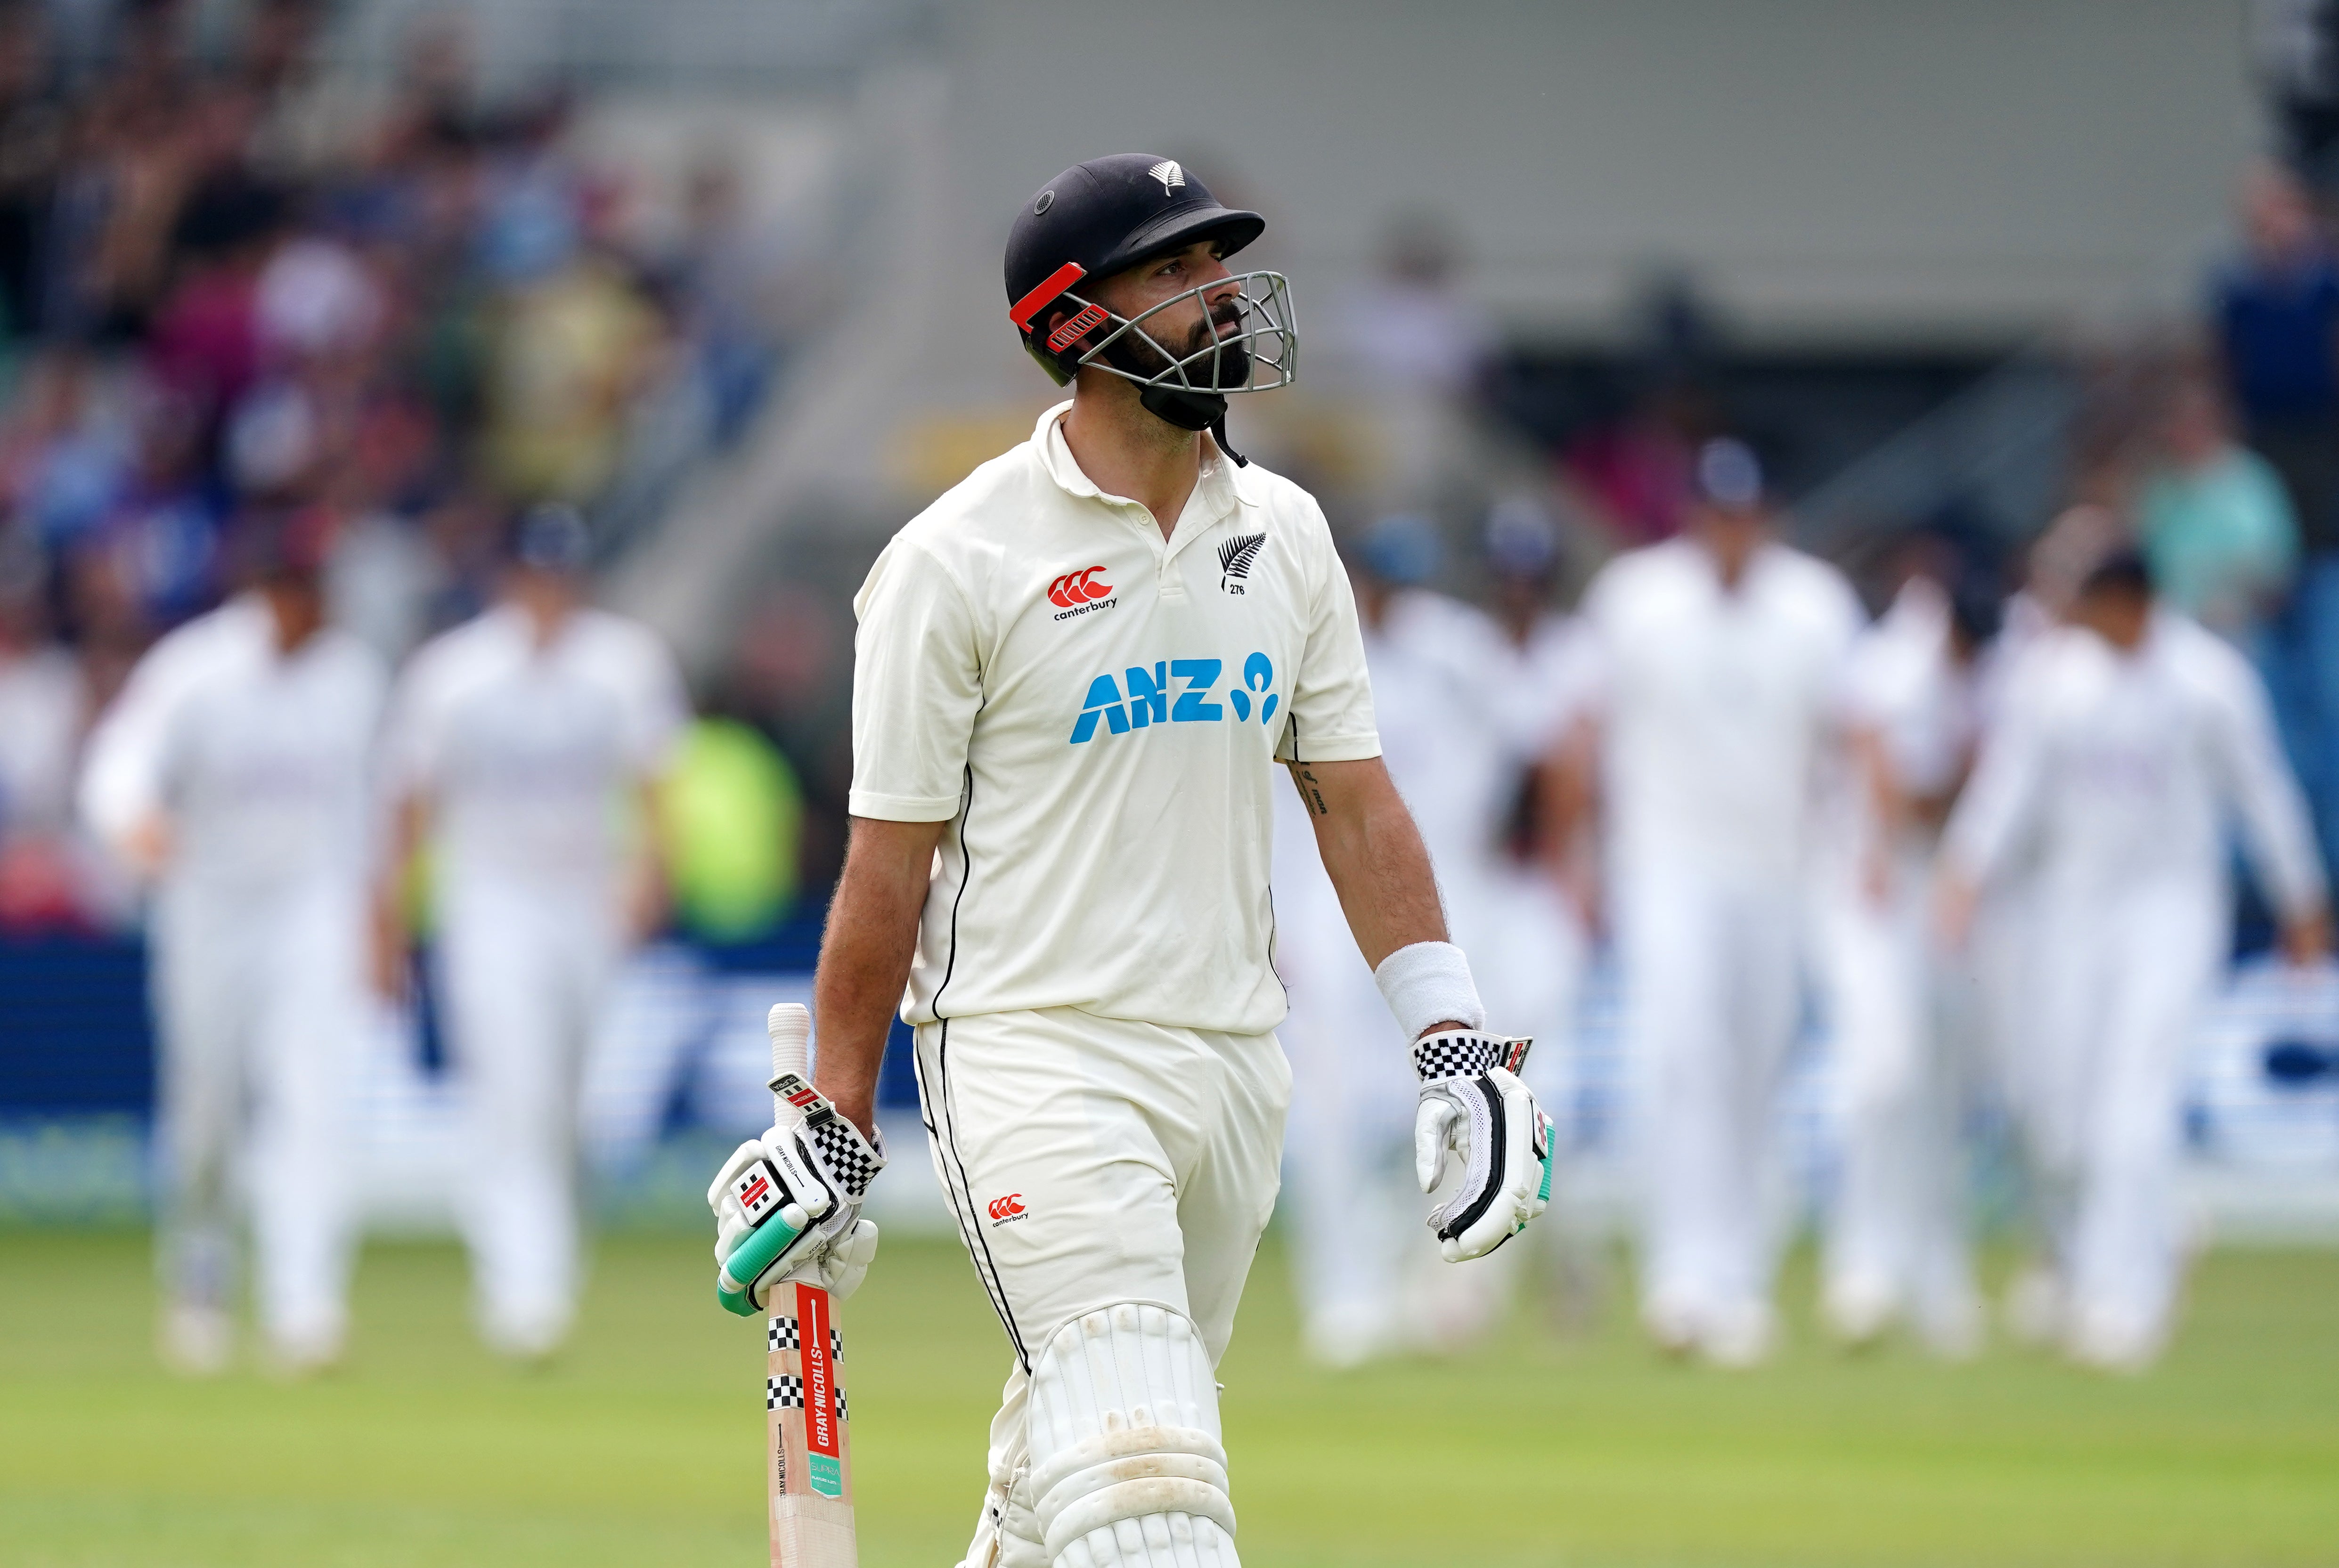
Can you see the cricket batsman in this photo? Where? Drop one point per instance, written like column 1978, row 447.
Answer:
column 1075, row 674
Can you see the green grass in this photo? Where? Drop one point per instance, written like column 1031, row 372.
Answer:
column 642, row 1444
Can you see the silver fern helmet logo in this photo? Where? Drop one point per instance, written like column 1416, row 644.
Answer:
column 1172, row 177
column 1235, row 558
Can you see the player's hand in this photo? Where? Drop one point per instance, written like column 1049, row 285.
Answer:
column 147, row 844
column 649, row 905
column 1473, row 1106
column 788, row 1205
column 2306, row 940
column 1956, row 901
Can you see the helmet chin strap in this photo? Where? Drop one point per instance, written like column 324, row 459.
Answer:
column 1192, row 411
column 1187, row 410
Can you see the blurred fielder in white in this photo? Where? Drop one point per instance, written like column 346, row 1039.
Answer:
column 2134, row 737
column 1897, row 1242
column 1543, row 874
column 233, row 770
column 1453, row 741
column 1722, row 655
column 524, row 749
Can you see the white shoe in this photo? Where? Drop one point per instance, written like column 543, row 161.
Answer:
column 1954, row 1330
column 2113, row 1342
column 1675, row 1326
column 304, row 1354
column 1739, row 1336
column 528, row 1344
column 2035, row 1306
column 196, row 1339
column 1859, row 1308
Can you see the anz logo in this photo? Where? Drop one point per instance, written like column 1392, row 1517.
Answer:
column 1176, row 692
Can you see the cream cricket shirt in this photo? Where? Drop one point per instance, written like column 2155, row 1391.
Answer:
column 1097, row 712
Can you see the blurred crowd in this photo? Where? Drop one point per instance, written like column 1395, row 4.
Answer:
column 239, row 284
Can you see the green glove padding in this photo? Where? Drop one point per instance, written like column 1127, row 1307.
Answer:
column 735, row 1282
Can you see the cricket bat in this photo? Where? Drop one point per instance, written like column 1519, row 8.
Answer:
column 808, row 1463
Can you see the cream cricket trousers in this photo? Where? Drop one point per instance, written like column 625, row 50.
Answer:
column 1712, row 971
column 1102, row 1172
column 526, row 972
column 261, row 1002
column 1896, row 1238
column 2126, row 982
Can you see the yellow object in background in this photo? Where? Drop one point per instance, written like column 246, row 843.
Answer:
column 732, row 814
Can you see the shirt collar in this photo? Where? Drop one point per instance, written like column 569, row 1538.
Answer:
column 1222, row 487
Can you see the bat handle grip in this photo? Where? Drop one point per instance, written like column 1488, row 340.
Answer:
column 790, row 1026
column 789, row 1023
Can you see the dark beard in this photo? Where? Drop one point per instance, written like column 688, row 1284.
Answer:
column 1139, row 357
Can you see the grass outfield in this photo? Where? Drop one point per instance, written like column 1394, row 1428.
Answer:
column 642, row 1445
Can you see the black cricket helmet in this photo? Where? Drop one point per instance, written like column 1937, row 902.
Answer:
column 1107, row 215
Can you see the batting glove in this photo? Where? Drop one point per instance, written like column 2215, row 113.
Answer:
column 1472, row 1104
column 787, row 1206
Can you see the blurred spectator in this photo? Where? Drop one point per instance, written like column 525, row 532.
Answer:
column 1412, row 329
column 725, row 269
column 1412, row 350
column 1636, row 476
column 2276, row 312
column 2215, row 520
column 32, row 131
column 43, row 710
column 570, row 350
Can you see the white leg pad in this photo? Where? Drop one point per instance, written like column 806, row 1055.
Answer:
column 1127, row 1468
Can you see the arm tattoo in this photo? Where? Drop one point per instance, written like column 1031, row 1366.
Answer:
column 1311, row 796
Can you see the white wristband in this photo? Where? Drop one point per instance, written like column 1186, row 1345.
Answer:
column 1429, row 984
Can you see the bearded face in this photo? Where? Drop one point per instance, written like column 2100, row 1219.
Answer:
column 1228, row 370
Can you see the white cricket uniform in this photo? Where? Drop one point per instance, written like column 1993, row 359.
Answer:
column 260, row 762
column 1533, row 947
column 2126, row 768
column 1896, row 1238
column 1367, row 1270
column 1715, row 704
column 1095, row 713
column 528, row 754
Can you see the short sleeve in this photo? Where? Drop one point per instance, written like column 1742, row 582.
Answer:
column 125, row 778
column 917, row 685
column 1331, row 696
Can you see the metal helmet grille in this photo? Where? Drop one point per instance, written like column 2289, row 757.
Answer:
column 1267, row 334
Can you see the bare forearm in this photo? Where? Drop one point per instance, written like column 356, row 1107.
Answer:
column 1374, row 855
column 865, row 956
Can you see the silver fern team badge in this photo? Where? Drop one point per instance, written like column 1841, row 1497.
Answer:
column 1172, row 177
column 1235, row 558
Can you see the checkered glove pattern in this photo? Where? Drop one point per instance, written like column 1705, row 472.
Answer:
column 1466, row 1053
column 1473, row 1105
column 846, row 1156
